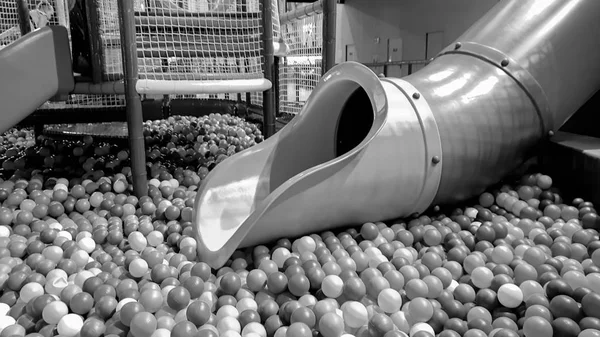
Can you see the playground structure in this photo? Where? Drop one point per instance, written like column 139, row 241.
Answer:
column 212, row 54
column 205, row 56
column 366, row 148
column 473, row 114
column 197, row 49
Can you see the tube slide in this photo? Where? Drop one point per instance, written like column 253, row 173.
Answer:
column 33, row 69
column 370, row 149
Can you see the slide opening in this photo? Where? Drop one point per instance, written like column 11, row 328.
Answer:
column 338, row 117
column 338, row 120
column 356, row 120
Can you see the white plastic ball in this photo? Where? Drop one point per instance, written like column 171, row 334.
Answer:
column 70, row 325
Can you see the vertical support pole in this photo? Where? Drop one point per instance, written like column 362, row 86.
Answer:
column 97, row 54
column 329, row 31
column 269, row 66
column 132, row 98
column 276, row 86
column 23, row 13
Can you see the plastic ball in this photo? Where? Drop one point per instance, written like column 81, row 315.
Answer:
column 416, row 288
column 420, row 309
column 184, row 329
column 143, row 324
column 227, row 310
column 128, row 311
column 12, row 329
column 256, row 280
column 305, row 244
column 178, row 298
column 590, row 304
column 510, row 295
column 332, row 286
column 231, row 283
column 30, row 291
column 5, row 322
column 69, row 325
column 422, row 329
column 138, row 267
column 565, row 306
column 331, row 325
column 198, row 312
column 54, row 312
column 298, row 329
column 81, row 303
column 355, row 314
column 254, row 328
column 537, row 327
column 152, row 300
column 482, row 277
column 92, row 328
column 389, row 300
column 563, row 326
column 229, row 324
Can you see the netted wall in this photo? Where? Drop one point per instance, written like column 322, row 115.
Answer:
column 9, row 22
column 41, row 13
column 300, row 71
column 193, row 40
column 256, row 98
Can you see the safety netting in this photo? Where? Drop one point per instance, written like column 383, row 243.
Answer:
column 300, row 70
column 204, row 49
column 193, row 48
column 9, row 22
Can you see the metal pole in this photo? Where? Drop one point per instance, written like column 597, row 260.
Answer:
column 329, row 31
column 23, row 14
column 269, row 67
column 95, row 39
column 134, row 104
column 277, row 94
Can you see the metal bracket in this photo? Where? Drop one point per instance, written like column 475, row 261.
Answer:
column 433, row 143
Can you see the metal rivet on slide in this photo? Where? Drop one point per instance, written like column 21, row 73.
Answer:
column 435, row 159
column 416, row 95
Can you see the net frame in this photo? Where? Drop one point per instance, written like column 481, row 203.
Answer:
column 9, row 23
column 192, row 48
column 224, row 71
column 42, row 13
column 300, row 71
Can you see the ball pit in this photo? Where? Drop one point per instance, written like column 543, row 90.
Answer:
column 80, row 256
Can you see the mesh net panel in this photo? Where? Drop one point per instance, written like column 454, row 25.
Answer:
column 194, row 40
column 9, row 22
column 300, row 71
column 87, row 101
column 199, row 40
column 42, row 13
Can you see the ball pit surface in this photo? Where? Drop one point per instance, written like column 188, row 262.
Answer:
column 81, row 256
